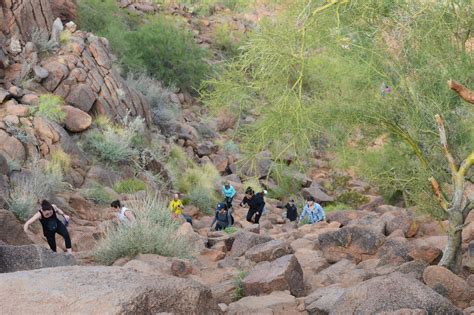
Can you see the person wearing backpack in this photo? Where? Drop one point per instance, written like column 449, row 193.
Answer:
column 255, row 202
column 124, row 214
column 223, row 218
column 229, row 193
column 291, row 210
column 51, row 224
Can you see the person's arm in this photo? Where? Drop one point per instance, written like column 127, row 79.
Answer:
column 214, row 221
column 232, row 191
column 229, row 221
column 35, row 217
column 244, row 202
column 130, row 216
column 303, row 214
column 321, row 211
column 61, row 212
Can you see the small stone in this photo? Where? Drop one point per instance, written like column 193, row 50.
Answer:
column 71, row 26
column 30, row 99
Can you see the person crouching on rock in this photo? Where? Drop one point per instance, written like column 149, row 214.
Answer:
column 223, row 217
column 312, row 211
column 176, row 207
column 124, row 214
column 256, row 204
column 51, row 224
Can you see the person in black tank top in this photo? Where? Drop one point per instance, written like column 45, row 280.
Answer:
column 51, row 224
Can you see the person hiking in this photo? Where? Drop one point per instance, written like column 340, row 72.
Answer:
column 313, row 211
column 229, row 193
column 124, row 214
column 176, row 207
column 291, row 210
column 51, row 224
column 255, row 203
column 223, row 218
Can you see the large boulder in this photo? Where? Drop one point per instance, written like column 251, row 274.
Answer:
column 11, row 147
column 284, row 273
column 28, row 257
column 403, row 222
column 394, row 251
column 323, row 300
column 449, row 285
column 245, row 240
column 318, row 194
column 76, row 120
column 352, row 242
column 391, row 293
column 277, row 303
column 269, row 251
column 101, row 290
column 195, row 240
column 12, row 232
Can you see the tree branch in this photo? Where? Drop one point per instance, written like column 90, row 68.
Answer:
column 444, row 143
column 439, row 194
column 465, row 93
column 467, row 208
column 466, row 165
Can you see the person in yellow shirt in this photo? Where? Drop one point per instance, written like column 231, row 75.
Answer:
column 176, row 206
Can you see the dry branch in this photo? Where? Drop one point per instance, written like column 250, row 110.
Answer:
column 465, row 93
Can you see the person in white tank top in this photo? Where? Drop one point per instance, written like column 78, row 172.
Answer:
column 124, row 215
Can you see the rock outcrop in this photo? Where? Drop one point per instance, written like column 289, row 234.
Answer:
column 12, row 232
column 101, row 290
column 28, row 257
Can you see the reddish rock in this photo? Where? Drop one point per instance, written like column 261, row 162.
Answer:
column 394, row 251
column 57, row 72
column 11, row 147
column 403, row 222
column 352, row 242
column 277, row 303
column 244, row 240
column 82, row 97
column 316, row 191
column 213, row 254
column 30, row 99
column 429, row 254
column 181, row 268
column 284, row 273
column 449, row 285
column 12, row 232
column 76, row 120
column 268, row 251
column 66, row 10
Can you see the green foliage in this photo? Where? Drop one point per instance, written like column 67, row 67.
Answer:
column 129, row 186
column 65, row 37
column 28, row 189
column 197, row 182
column 207, row 7
column 153, row 232
column 227, row 39
column 115, row 143
column 336, row 207
column 153, row 45
column 231, row 147
column 352, row 198
column 97, row 194
column 167, row 52
column 239, row 285
column 49, row 107
column 252, row 182
column 59, row 162
column 230, row 230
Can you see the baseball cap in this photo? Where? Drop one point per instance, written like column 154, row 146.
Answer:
column 220, row 206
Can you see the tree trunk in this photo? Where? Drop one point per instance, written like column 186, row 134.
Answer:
column 452, row 255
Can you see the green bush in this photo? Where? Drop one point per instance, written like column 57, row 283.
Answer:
column 129, row 186
column 239, row 285
column 153, row 232
column 115, row 143
column 166, row 52
column 97, row 194
column 230, row 230
column 352, row 198
column 336, row 207
column 49, row 107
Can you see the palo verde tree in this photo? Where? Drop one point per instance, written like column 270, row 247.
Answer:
column 459, row 206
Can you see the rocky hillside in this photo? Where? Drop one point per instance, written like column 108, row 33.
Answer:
column 368, row 258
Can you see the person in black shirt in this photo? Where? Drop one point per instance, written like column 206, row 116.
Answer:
column 51, row 224
column 256, row 204
column 291, row 211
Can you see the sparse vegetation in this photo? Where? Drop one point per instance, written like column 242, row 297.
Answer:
column 230, row 230
column 153, row 232
column 130, row 186
column 59, row 162
column 239, row 285
column 41, row 39
column 49, row 107
column 97, row 194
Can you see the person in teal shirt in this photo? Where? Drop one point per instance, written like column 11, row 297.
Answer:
column 313, row 211
column 229, row 193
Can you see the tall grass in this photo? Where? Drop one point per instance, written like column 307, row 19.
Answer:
column 49, row 107
column 153, row 232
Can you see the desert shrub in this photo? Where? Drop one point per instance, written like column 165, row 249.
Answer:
column 239, row 285
column 129, row 186
column 230, row 229
column 28, row 189
column 167, row 52
column 59, row 161
column 115, row 143
column 336, row 207
column 231, row 147
column 65, row 37
column 41, row 39
column 352, row 198
column 49, row 107
column 227, row 39
column 164, row 112
column 153, row 232
column 97, row 194
column 103, row 122
column 253, row 183
column 202, row 198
